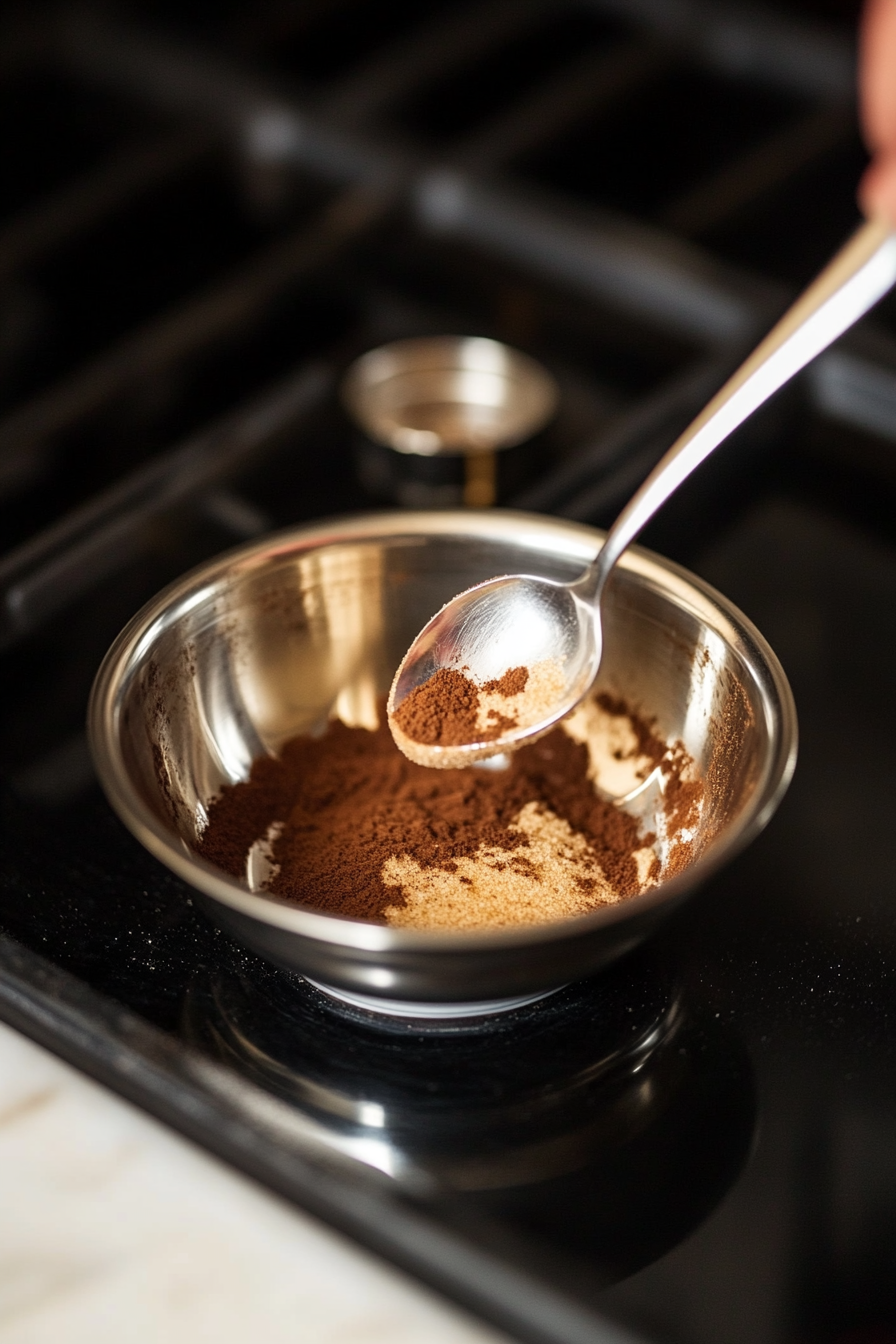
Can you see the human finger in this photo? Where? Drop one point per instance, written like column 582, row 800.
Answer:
column 877, row 74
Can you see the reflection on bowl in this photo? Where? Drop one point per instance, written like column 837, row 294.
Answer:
column 271, row 640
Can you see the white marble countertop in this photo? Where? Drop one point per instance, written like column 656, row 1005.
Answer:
column 115, row 1230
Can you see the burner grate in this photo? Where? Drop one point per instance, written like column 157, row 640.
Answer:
column 151, row 273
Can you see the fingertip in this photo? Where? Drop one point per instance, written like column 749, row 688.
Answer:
column 877, row 87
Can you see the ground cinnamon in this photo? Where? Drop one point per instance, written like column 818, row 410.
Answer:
column 366, row 833
column 445, row 710
column 452, row 711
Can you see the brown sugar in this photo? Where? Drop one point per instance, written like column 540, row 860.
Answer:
column 363, row 832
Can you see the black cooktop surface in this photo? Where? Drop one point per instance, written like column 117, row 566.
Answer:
column 698, row 1145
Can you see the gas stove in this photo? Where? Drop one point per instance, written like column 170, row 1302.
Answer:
column 207, row 214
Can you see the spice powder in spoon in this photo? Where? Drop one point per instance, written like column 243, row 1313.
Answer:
column 450, row 709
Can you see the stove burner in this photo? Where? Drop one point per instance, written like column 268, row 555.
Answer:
column 473, row 1103
column 581, row 1092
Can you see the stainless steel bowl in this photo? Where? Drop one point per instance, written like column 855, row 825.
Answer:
column 269, row 640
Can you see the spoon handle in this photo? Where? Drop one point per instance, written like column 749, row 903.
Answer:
column 860, row 274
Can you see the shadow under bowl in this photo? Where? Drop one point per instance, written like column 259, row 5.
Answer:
column 270, row 640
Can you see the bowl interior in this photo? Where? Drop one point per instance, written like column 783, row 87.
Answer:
column 271, row 643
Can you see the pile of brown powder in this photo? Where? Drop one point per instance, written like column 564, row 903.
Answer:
column 366, row 833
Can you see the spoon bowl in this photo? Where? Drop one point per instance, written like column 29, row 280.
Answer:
column 529, row 620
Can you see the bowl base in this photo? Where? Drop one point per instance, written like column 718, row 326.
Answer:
column 441, row 1011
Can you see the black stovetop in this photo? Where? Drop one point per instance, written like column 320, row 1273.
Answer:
column 204, row 219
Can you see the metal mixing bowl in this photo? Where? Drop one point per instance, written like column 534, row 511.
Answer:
column 269, row 640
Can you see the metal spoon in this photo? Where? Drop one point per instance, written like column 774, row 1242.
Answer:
column 522, row 620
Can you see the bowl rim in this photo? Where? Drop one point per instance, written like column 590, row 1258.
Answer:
column 541, row 532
